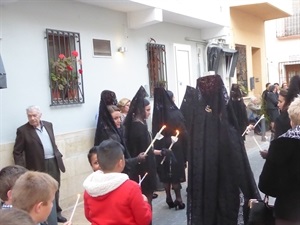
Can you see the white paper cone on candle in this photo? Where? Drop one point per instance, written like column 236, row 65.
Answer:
column 158, row 136
column 174, row 139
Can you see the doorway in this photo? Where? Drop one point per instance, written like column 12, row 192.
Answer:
column 182, row 55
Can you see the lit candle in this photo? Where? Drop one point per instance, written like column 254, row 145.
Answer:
column 156, row 137
column 174, row 140
column 78, row 196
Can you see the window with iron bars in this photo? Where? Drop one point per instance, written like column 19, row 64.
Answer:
column 157, row 67
column 65, row 67
column 289, row 27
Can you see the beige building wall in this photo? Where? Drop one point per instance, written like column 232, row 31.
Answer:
column 248, row 30
column 74, row 147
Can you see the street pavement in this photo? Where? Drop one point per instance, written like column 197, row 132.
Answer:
column 162, row 215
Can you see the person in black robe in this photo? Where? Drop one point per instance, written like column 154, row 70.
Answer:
column 172, row 171
column 138, row 139
column 107, row 128
column 272, row 108
column 218, row 167
column 105, row 122
column 236, row 101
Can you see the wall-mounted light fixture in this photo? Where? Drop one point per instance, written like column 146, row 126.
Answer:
column 122, row 49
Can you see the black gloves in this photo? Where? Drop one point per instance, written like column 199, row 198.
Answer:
column 165, row 152
column 168, row 154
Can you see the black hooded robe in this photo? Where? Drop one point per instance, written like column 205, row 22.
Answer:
column 213, row 162
column 165, row 112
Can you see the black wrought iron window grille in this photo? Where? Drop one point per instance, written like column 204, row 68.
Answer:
column 157, row 67
column 65, row 67
column 289, row 27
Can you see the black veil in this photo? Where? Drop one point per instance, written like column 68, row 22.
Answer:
column 216, row 157
column 137, row 108
column 105, row 123
column 238, row 117
column 138, row 139
column 107, row 129
column 165, row 112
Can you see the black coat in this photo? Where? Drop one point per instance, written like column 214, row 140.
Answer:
column 28, row 149
column 271, row 100
column 282, row 124
column 280, row 177
column 138, row 140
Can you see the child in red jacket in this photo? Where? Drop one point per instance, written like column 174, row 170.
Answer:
column 110, row 198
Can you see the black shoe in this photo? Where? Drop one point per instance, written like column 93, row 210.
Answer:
column 179, row 205
column 60, row 218
column 170, row 203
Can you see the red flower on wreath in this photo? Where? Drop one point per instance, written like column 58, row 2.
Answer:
column 62, row 70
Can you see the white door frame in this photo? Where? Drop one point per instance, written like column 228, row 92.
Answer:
column 182, row 61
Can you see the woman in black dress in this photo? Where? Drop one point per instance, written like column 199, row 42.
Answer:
column 172, row 171
column 280, row 176
column 138, row 139
column 109, row 127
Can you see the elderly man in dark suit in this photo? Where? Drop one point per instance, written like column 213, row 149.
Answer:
column 35, row 149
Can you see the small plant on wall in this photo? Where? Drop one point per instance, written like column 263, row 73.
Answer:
column 65, row 67
column 64, row 75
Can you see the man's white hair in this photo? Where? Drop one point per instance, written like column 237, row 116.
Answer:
column 33, row 108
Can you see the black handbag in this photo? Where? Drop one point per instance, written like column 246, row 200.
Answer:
column 260, row 212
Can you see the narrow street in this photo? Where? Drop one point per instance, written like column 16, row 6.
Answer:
column 162, row 215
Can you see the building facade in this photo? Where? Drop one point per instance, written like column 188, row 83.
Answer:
column 283, row 56
column 111, row 39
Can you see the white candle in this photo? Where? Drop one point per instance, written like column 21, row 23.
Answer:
column 248, row 128
column 262, row 116
column 140, row 182
column 71, row 217
column 257, row 143
column 174, row 139
column 159, row 132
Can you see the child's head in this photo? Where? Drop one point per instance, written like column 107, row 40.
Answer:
column 110, row 156
column 8, row 177
column 34, row 192
column 92, row 157
column 15, row 216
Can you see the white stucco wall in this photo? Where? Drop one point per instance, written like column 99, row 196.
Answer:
column 24, row 52
column 279, row 51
